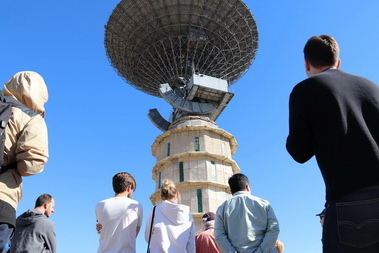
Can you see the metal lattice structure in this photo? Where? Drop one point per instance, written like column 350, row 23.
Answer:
column 151, row 42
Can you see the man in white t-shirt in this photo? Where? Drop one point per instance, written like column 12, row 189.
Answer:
column 119, row 218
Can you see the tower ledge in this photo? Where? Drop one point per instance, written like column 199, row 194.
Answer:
column 194, row 123
column 224, row 159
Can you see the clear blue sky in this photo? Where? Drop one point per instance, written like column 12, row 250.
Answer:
column 98, row 125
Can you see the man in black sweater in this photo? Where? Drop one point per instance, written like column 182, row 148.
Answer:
column 334, row 116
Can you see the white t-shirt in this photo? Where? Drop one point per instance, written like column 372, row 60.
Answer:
column 119, row 217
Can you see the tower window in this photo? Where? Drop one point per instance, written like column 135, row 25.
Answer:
column 168, row 149
column 159, row 180
column 213, row 171
column 199, row 201
column 181, row 172
column 197, row 144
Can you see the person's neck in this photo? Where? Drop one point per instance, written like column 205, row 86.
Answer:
column 40, row 209
column 315, row 71
column 173, row 200
column 122, row 194
column 326, row 69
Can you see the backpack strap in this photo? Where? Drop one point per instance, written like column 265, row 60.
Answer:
column 151, row 228
column 15, row 103
column 5, row 114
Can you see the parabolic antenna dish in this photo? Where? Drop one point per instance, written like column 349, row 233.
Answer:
column 151, row 42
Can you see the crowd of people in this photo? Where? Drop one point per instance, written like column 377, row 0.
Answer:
column 170, row 226
column 333, row 116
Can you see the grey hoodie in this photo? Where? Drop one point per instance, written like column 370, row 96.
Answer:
column 34, row 233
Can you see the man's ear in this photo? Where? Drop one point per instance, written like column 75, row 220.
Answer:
column 338, row 64
column 129, row 188
column 248, row 188
column 307, row 65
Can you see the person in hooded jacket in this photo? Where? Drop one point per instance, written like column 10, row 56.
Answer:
column 34, row 231
column 26, row 143
column 173, row 228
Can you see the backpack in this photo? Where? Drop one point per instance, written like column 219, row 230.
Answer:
column 5, row 114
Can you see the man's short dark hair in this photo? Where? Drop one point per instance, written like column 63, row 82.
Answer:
column 238, row 182
column 42, row 199
column 121, row 181
column 321, row 51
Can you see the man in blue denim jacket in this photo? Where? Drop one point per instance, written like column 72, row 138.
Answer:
column 334, row 116
column 245, row 223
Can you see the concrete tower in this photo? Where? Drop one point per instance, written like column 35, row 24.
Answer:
column 197, row 156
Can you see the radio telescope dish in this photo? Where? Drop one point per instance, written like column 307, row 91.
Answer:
column 154, row 42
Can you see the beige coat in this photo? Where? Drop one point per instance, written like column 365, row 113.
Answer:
column 26, row 142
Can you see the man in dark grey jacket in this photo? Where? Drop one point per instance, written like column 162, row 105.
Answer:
column 34, row 231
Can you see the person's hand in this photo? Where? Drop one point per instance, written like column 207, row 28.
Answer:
column 98, row 228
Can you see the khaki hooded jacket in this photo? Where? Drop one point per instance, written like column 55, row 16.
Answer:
column 26, row 140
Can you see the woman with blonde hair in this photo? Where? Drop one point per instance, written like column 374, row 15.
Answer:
column 170, row 227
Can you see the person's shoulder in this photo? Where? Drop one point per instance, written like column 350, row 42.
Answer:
column 135, row 202
column 202, row 234
column 315, row 84
column 20, row 117
column 130, row 203
column 335, row 75
column 348, row 81
column 359, row 78
column 262, row 202
column 26, row 213
column 103, row 202
column 302, row 86
column 45, row 221
column 220, row 208
column 184, row 209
